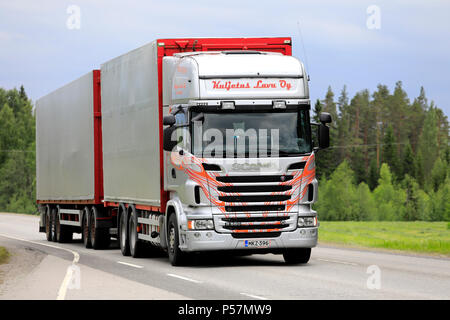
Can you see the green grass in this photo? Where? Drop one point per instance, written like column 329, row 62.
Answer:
column 4, row 255
column 418, row 236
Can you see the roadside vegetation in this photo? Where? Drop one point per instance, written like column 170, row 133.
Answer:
column 4, row 255
column 418, row 236
column 389, row 158
column 17, row 152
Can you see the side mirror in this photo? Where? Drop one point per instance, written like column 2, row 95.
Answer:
column 324, row 136
column 168, row 143
column 169, row 120
column 325, row 117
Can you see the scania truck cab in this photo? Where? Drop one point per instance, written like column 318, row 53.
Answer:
column 239, row 155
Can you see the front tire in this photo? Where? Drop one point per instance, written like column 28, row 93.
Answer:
column 297, row 255
column 176, row 256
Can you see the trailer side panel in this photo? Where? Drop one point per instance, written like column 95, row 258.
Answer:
column 65, row 165
column 130, row 122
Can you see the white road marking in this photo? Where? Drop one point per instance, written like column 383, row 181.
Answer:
column 76, row 257
column 341, row 262
column 130, row 264
column 253, row 296
column 183, row 278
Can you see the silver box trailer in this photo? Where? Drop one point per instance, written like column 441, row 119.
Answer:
column 130, row 124
column 65, row 142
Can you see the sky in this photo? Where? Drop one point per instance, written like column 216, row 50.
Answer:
column 354, row 43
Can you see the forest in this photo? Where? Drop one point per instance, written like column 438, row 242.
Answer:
column 388, row 157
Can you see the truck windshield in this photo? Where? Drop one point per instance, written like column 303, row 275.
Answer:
column 251, row 134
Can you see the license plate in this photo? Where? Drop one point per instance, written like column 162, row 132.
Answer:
column 256, row 243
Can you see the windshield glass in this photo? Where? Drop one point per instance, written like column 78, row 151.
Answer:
column 251, row 134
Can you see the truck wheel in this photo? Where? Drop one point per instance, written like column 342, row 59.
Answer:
column 135, row 244
column 63, row 232
column 176, row 256
column 86, row 234
column 123, row 235
column 53, row 215
column 297, row 255
column 57, row 228
column 48, row 224
column 100, row 238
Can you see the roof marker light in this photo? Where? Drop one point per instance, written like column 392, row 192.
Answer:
column 279, row 104
column 228, row 105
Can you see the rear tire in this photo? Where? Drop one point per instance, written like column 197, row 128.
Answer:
column 63, row 232
column 86, row 232
column 136, row 245
column 53, row 215
column 176, row 256
column 123, row 235
column 297, row 255
column 99, row 237
column 48, row 224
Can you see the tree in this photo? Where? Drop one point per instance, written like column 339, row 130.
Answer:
column 338, row 195
column 408, row 161
column 374, row 175
column 390, row 152
column 317, row 110
column 365, row 206
column 412, row 206
column 438, row 174
column 17, row 152
column 390, row 201
column 8, row 132
column 428, row 144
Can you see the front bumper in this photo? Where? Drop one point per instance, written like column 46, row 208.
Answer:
column 210, row 240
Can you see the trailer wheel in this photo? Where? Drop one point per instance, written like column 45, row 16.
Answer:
column 53, row 215
column 176, row 256
column 100, row 237
column 136, row 245
column 48, row 224
column 63, row 232
column 297, row 255
column 123, row 235
column 86, row 234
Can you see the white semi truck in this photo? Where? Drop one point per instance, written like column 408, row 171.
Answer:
column 189, row 145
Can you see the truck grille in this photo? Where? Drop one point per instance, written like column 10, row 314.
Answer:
column 255, row 208
column 253, row 179
column 256, row 223
column 245, row 189
column 261, row 198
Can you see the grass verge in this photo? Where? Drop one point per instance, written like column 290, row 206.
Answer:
column 4, row 255
column 417, row 236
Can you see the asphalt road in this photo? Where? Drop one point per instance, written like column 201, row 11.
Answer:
column 70, row 271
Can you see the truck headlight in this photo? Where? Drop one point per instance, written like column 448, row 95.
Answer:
column 305, row 222
column 201, row 224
